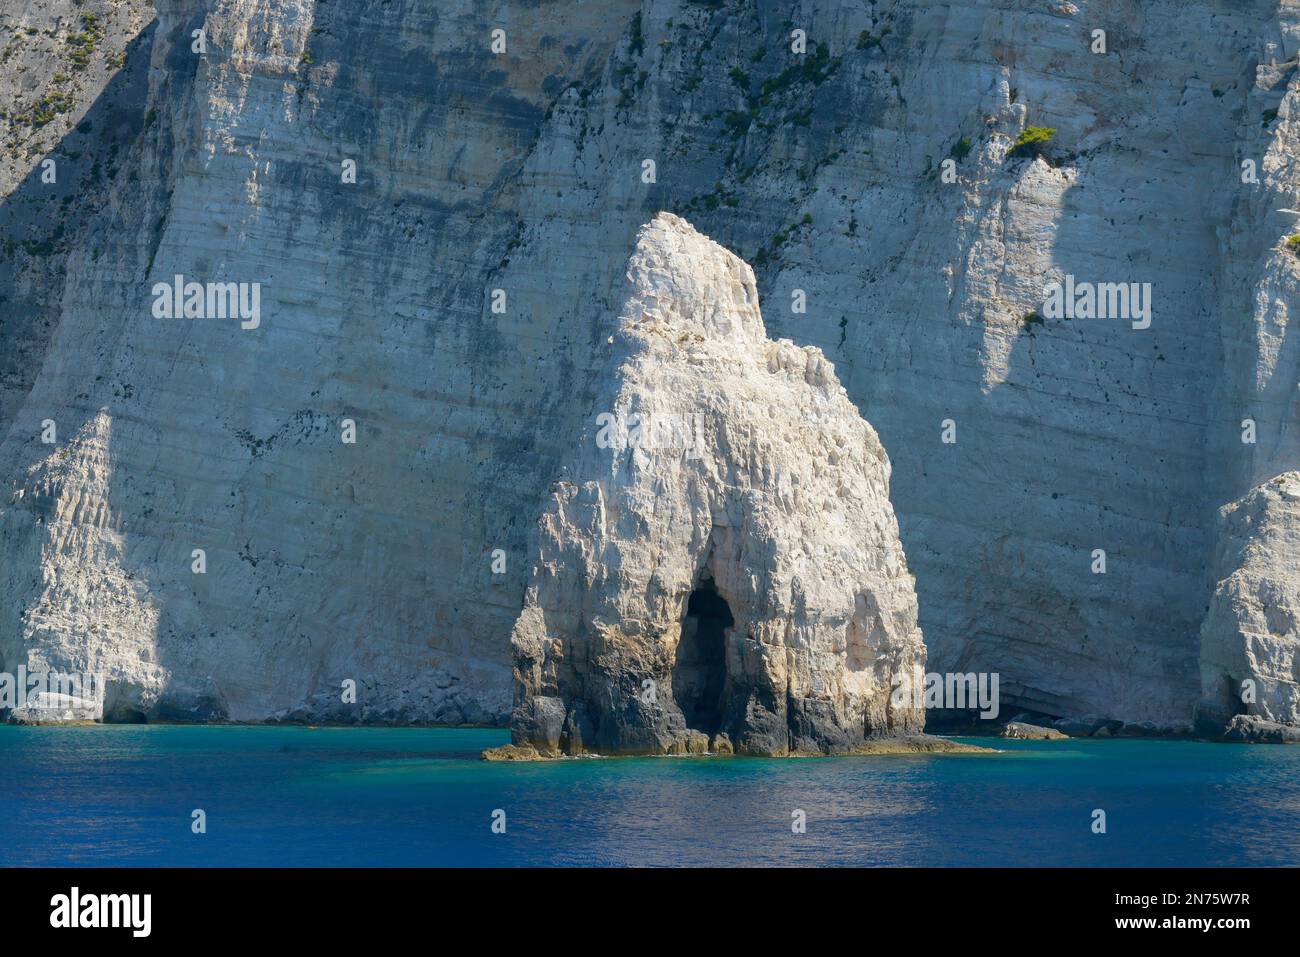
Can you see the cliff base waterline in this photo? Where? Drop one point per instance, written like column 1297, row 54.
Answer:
column 910, row 744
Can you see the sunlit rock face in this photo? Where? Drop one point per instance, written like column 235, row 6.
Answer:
column 719, row 566
column 324, row 563
column 523, row 170
column 1250, row 641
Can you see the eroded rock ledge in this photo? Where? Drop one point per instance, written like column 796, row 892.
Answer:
column 908, row 744
column 719, row 569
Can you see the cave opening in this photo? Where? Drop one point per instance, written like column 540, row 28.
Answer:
column 700, row 669
column 1232, row 700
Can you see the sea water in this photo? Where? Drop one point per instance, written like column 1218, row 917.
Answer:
column 126, row 795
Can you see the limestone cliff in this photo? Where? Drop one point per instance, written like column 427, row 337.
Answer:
column 323, row 562
column 719, row 566
column 449, row 302
column 73, row 78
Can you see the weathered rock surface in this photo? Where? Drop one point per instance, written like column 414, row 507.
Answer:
column 325, row 562
column 720, row 556
column 49, row 708
column 73, row 83
column 1086, row 726
column 513, row 752
column 1252, row 729
column 1250, row 641
column 907, row 744
column 523, row 171
column 1031, row 732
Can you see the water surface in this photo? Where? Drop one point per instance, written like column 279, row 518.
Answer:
column 123, row 795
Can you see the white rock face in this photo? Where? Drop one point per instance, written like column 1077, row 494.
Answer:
column 326, row 562
column 524, row 172
column 1252, row 630
column 1071, row 436
column 720, row 564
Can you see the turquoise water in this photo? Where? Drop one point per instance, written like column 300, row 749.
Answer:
column 123, row 795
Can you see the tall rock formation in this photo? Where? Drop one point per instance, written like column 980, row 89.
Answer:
column 1250, row 642
column 450, row 302
column 719, row 566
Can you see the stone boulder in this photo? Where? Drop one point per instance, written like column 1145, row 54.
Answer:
column 1031, row 732
column 1253, row 729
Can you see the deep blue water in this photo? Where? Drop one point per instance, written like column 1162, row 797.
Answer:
column 123, row 795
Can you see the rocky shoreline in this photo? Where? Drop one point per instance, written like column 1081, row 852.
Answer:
column 908, row 744
column 1243, row 729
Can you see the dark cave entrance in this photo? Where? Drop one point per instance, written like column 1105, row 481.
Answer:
column 701, row 666
column 1233, row 704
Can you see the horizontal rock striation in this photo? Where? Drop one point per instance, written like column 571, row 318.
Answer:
column 399, row 561
column 326, row 562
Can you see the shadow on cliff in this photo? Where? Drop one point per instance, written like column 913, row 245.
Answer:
column 41, row 225
column 1107, row 420
column 40, row 222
